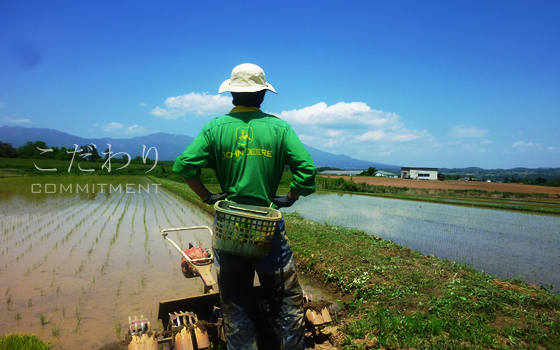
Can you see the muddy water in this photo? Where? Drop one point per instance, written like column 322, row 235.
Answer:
column 88, row 259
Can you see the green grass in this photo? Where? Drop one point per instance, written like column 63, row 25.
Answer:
column 23, row 341
column 404, row 299
column 20, row 166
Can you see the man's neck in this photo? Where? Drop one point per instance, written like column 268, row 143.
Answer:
column 240, row 109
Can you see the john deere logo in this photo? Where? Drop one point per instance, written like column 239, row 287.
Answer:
column 244, row 135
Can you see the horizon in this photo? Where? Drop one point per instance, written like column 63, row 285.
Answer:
column 466, row 83
column 392, row 166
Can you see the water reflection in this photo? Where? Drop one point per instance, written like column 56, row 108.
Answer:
column 504, row 244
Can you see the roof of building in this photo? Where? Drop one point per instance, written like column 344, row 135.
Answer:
column 386, row 173
column 412, row 168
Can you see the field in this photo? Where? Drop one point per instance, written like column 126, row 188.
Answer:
column 76, row 262
column 454, row 185
column 75, row 265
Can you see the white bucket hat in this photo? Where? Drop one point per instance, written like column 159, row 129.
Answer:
column 246, row 77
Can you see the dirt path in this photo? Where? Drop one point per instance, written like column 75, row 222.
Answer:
column 454, row 185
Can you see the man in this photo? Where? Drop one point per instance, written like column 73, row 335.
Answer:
column 248, row 150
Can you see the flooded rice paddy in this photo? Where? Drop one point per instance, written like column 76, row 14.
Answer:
column 74, row 264
column 504, row 244
column 78, row 255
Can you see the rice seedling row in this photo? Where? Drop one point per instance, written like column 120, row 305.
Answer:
column 38, row 242
column 87, row 266
column 132, row 229
column 12, row 224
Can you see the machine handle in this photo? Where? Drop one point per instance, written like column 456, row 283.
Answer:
column 164, row 231
column 165, row 236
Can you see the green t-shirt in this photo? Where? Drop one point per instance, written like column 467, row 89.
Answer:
column 248, row 150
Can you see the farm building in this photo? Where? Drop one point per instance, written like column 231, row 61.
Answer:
column 419, row 173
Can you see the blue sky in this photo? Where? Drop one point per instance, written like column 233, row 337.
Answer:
column 410, row 83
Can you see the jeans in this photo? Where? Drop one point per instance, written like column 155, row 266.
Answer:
column 278, row 278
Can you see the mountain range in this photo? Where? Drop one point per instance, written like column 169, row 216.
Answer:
column 168, row 146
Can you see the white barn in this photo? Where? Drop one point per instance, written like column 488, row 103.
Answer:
column 419, row 173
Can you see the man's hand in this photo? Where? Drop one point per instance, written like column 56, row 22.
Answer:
column 283, row 201
column 212, row 198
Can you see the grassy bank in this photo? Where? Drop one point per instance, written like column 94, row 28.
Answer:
column 399, row 298
column 525, row 202
column 403, row 299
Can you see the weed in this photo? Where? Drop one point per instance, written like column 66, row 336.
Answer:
column 17, row 316
column 119, row 287
column 118, row 328
column 55, row 331
column 43, row 319
column 78, row 316
column 30, row 303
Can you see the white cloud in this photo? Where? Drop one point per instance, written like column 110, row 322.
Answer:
column 525, row 147
column 551, row 149
column 380, row 135
column 461, row 131
column 486, row 142
column 355, row 120
column 16, row 120
column 3, row 105
column 193, row 103
column 334, row 133
column 143, row 105
column 118, row 128
column 523, row 144
column 357, row 130
column 341, row 113
column 333, row 142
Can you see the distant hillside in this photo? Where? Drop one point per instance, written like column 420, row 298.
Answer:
column 501, row 174
column 169, row 146
column 325, row 159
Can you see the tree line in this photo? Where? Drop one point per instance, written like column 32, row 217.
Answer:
column 40, row 150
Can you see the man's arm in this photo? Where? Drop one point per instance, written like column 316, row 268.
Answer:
column 198, row 187
column 293, row 195
column 301, row 165
column 207, row 197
